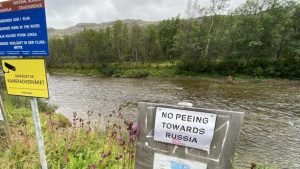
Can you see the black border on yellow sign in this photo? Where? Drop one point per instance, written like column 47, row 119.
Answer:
column 27, row 59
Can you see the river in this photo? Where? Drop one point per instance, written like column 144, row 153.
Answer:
column 271, row 131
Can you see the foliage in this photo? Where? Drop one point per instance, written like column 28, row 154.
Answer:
column 126, row 70
column 74, row 146
column 71, row 146
column 135, row 74
column 110, row 70
column 259, row 38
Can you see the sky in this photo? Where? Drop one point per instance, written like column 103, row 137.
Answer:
column 66, row 13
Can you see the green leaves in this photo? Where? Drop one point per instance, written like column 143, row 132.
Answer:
column 257, row 30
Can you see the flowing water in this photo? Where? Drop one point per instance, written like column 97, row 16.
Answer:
column 271, row 131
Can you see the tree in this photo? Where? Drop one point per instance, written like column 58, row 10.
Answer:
column 217, row 7
column 136, row 42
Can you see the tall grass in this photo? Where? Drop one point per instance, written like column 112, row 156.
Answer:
column 72, row 146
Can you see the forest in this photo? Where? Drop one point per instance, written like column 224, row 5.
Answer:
column 258, row 38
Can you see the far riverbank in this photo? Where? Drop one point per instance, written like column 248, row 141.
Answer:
column 142, row 70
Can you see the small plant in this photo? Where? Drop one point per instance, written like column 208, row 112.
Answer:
column 69, row 145
column 135, row 74
column 110, row 70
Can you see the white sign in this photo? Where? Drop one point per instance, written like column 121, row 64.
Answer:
column 183, row 127
column 1, row 116
column 168, row 162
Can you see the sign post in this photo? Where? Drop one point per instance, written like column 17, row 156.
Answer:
column 38, row 131
column 1, row 107
column 186, row 137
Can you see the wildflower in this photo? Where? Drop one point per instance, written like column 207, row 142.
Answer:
column 49, row 113
column 74, row 114
column 134, row 131
column 119, row 157
column 23, row 122
column 105, row 155
column 129, row 125
column 93, row 166
column 132, row 156
column 121, row 141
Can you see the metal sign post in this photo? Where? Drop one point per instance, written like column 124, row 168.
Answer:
column 1, row 116
column 38, row 131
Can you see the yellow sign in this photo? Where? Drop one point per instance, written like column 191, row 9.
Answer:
column 25, row 77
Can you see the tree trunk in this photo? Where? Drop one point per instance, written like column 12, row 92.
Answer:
column 136, row 57
column 279, row 51
column 208, row 38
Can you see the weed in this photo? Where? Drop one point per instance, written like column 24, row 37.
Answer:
column 68, row 145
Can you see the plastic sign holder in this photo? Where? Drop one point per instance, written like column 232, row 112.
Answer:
column 155, row 147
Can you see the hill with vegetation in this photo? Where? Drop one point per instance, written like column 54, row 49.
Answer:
column 260, row 38
column 93, row 26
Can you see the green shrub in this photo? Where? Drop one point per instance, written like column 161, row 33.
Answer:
column 287, row 67
column 110, row 70
column 258, row 71
column 135, row 74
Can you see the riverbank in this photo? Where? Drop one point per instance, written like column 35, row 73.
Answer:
column 76, row 145
column 126, row 70
column 66, row 147
column 142, row 70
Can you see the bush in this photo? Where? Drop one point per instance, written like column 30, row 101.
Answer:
column 135, row 74
column 110, row 70
column 288, row 67
column 258, row 71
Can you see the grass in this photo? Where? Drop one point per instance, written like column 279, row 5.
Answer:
column 70, row 146
column 253, row 165
column 125, row 70
column 73, row 70
column 142, row 70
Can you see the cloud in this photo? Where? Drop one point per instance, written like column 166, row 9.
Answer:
column 65, row 13
column 149, row 9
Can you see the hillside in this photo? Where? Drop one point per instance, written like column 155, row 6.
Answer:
column 52, row 32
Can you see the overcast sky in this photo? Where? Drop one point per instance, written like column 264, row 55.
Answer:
column 65, row 13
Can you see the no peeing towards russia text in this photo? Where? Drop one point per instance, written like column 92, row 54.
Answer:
column 189, row 130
